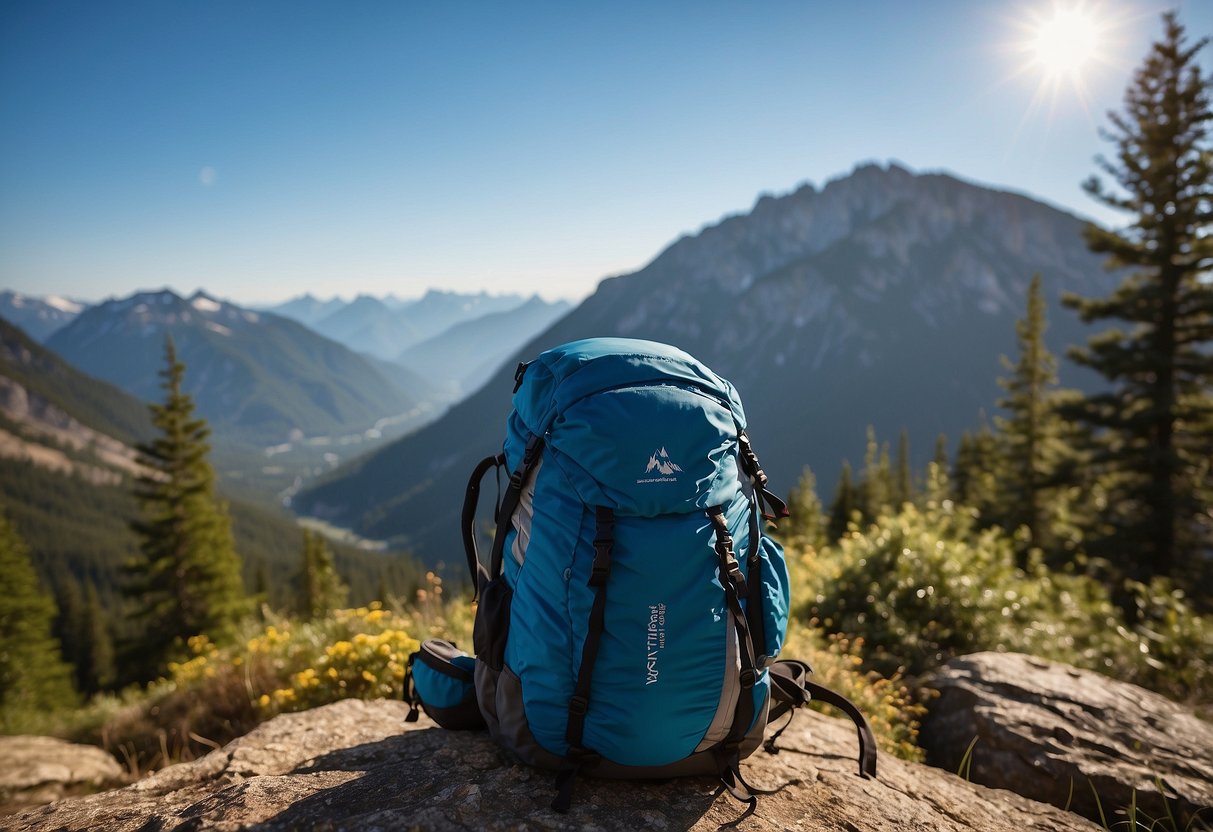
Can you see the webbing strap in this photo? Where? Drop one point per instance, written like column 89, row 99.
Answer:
column 470, row 499
column 749, row 464
column 734, row 590
column 732, row 782
column 788, row 680
column 409, row 692
column 867, row 742
column 753, row 605
column 604, row 541
column 788, row 677
column 509, row 503
column 578, row 755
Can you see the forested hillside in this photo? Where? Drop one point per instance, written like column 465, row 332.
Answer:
column 66, row 486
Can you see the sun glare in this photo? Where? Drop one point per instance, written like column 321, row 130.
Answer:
column 1065, row 42
column 1064, row 46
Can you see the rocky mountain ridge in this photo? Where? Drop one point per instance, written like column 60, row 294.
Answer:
column 884, row 298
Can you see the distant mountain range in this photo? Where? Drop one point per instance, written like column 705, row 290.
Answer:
column 468, row 352
column 386, row 327
column 256, row 377
column 306, row 309
column 438, row 347
column 883, row 298
column 38, row 317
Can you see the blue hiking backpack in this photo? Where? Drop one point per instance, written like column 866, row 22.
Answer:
column 632, row 611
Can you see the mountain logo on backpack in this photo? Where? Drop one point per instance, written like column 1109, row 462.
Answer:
column 661, row 463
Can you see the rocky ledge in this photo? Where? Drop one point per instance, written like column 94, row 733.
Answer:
column 1065, row 735
column 37, row 770
column 357, row 765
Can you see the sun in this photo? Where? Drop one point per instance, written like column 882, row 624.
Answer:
column 1066, row 46
column 1065, row 41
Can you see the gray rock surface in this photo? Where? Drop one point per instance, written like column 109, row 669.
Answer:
column 1042, row 726
column 356, row 765
column 40, row 769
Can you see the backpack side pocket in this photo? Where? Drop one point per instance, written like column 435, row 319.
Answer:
column 776, row 598
column 442, row 683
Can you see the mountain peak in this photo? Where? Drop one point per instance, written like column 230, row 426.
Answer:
column 911, row 282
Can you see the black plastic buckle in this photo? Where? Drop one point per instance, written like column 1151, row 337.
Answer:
column 601, row 570
column 578, row 706
column 748, row 678
column 519, row 373
column 516, row 480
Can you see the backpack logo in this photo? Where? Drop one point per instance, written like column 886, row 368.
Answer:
column 661, row 463
column 654, row 642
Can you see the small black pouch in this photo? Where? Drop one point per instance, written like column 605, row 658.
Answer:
column 441, row 680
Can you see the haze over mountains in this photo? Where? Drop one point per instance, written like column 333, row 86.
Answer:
column 256, row 377
column 386, row 327
column 471, row 350
column 884, row 298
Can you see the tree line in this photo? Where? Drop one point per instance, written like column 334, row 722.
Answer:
column 1124, row 476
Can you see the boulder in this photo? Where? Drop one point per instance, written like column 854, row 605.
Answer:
column 40, row 769
column 357, row 765
column 1062, row 735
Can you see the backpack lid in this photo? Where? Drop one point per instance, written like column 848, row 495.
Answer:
column 565, row 374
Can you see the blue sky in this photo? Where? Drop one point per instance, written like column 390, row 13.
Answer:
column 265, row 149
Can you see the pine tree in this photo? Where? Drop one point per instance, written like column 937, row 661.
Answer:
column 71, row 628
column 903, row 485
column 323, row 589
column 33, row 675
column 1154, row 427
column 1030, row 436
column 941, row 452
column 844, row 504
column 806, row 525
column 96, row 672
column 876, row 489
column 976, row 472
column 187, row 581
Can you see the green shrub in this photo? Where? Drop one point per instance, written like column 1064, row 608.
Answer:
column 922, row 585
column 1171, row 646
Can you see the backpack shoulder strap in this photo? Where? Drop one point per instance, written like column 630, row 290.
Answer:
column 470, row 499
column 791, row 688
column 509, row 501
